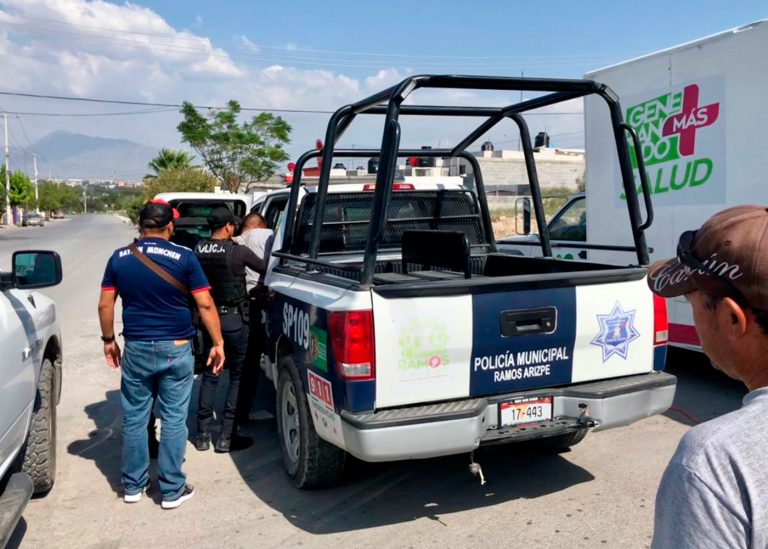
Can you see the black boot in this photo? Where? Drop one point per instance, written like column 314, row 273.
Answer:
column 203, row 441
column 232, row 443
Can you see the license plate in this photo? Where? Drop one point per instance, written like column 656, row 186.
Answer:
column 525, row 410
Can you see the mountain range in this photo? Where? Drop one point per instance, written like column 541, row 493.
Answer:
column 66, row 155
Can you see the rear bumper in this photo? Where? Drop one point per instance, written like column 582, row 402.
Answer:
column 13, row 501
column 461, row 426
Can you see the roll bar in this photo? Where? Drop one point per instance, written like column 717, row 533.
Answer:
column 389, row 103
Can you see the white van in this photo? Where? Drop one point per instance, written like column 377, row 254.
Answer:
column 699, row 111
column 700, row 115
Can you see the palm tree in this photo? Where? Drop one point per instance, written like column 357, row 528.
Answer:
column 170, row 159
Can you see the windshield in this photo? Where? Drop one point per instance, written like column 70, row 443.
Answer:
column 570, row 223
column 192, row 224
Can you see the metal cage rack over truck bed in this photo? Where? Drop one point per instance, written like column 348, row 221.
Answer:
column 390, row 104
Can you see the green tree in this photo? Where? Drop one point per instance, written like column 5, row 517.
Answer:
column 22, row 191
column 169, row 159
column 71, row 198
column 236, row 154
column 188, row 180
column 50, row 196
column 133, row 208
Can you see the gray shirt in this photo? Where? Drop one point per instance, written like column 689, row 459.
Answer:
column 714, row 492
column 260, row 242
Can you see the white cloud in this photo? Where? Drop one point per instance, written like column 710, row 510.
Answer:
column 93, row 48
column 383, row 79
column 114, row 31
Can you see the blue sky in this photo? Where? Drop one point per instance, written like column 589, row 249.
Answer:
column 314, row 55
column 555, row 38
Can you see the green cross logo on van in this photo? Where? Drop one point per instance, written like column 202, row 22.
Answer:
column 672, row 127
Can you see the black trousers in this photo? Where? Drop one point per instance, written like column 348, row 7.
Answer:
column 235, row 333
column 249, row 382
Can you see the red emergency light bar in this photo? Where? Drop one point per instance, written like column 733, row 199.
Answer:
column 395, row 187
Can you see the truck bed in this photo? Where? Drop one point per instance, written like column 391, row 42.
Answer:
column 393, row 271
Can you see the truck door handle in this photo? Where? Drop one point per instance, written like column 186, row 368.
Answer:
column 528, row 321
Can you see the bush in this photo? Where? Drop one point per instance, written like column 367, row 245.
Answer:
column 182, row 180
column 133, row 208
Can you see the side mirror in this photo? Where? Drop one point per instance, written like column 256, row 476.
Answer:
column 524, row 204
column 36, row 269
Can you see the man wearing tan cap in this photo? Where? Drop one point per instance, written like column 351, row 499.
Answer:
column 714, row 492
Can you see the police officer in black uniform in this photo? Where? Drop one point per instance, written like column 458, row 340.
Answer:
column 224, row 263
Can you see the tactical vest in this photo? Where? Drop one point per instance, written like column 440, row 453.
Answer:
column 226, row 288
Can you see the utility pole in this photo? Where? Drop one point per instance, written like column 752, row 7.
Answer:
column 85, row 199
column 37, row 197
column 7, row 173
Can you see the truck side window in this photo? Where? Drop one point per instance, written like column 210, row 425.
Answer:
column 571, row 223
column 273, row 210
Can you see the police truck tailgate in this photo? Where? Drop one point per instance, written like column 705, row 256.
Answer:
column 482, row 343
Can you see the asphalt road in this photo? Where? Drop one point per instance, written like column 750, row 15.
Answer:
column 599, row 494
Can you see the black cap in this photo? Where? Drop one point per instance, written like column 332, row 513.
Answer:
column 221, row 216
column 156, row 215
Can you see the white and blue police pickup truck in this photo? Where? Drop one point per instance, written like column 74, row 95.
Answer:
column 397, row 330
column 30, row 383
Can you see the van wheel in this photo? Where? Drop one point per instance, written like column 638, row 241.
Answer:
column 309, row 460
column 40, row 450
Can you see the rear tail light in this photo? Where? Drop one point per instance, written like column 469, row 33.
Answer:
column 352, row 341
column 660, row 321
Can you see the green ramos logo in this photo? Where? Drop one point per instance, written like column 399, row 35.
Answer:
column 423, row 345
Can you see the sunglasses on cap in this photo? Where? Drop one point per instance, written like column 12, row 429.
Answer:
column 688, row 257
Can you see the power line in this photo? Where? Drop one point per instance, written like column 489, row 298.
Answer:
column 95, row 114
column 26, row 135
column 176, row 106
column 194, row 39
column 15, row 143
column 149, row 104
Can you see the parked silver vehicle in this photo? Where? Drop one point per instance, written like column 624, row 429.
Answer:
column 32, row 219
column 30, row 383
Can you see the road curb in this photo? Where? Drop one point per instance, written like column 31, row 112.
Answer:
column 122, row 218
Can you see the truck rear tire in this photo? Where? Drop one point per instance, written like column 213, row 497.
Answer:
column 40, row 450
column 309, row 460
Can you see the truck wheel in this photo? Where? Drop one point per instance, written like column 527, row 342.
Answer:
column 309, row 460
column 40, row 450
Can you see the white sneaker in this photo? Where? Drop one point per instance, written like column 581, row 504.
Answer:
column 134, row 498
column 188, row 492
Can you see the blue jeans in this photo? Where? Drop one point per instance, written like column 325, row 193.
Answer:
column 161, row 370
